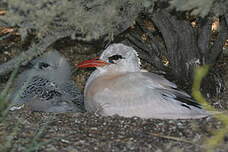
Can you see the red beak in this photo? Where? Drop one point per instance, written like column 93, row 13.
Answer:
column 96, row 62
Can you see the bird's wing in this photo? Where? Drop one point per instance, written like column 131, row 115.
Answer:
column 145, row 95
column 71, row 93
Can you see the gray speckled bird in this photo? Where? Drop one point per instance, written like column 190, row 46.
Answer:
column 47, row 86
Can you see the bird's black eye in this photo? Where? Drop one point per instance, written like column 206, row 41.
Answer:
column 43, row 65
column 113, row 58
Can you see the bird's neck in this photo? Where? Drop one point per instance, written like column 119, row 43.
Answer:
column 111, row 71
column 103, row 72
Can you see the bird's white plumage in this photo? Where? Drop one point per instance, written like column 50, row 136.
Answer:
column 121, row 88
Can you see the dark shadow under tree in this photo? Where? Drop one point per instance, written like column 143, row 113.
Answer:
column 182, row 46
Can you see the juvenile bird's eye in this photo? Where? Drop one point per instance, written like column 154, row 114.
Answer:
column 115, row 57
column 43, row 65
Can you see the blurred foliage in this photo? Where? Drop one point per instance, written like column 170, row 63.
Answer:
column 90, row 19
column 201, row 7
column 218, row 135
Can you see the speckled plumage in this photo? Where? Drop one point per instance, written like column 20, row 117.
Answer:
column 47, row 86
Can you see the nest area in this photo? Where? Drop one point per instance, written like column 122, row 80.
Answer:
column 165, row 42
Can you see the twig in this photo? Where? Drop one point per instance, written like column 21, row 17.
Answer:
column 173, row 138
column 2, row 12
column 3, row 95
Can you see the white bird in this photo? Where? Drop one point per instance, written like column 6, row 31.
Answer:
column 47, row 86
column 118, row 86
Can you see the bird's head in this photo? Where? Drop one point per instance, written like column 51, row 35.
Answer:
column 116, row 57
column 52, row 65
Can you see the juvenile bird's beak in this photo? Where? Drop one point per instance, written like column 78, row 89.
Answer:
column 96, row 62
